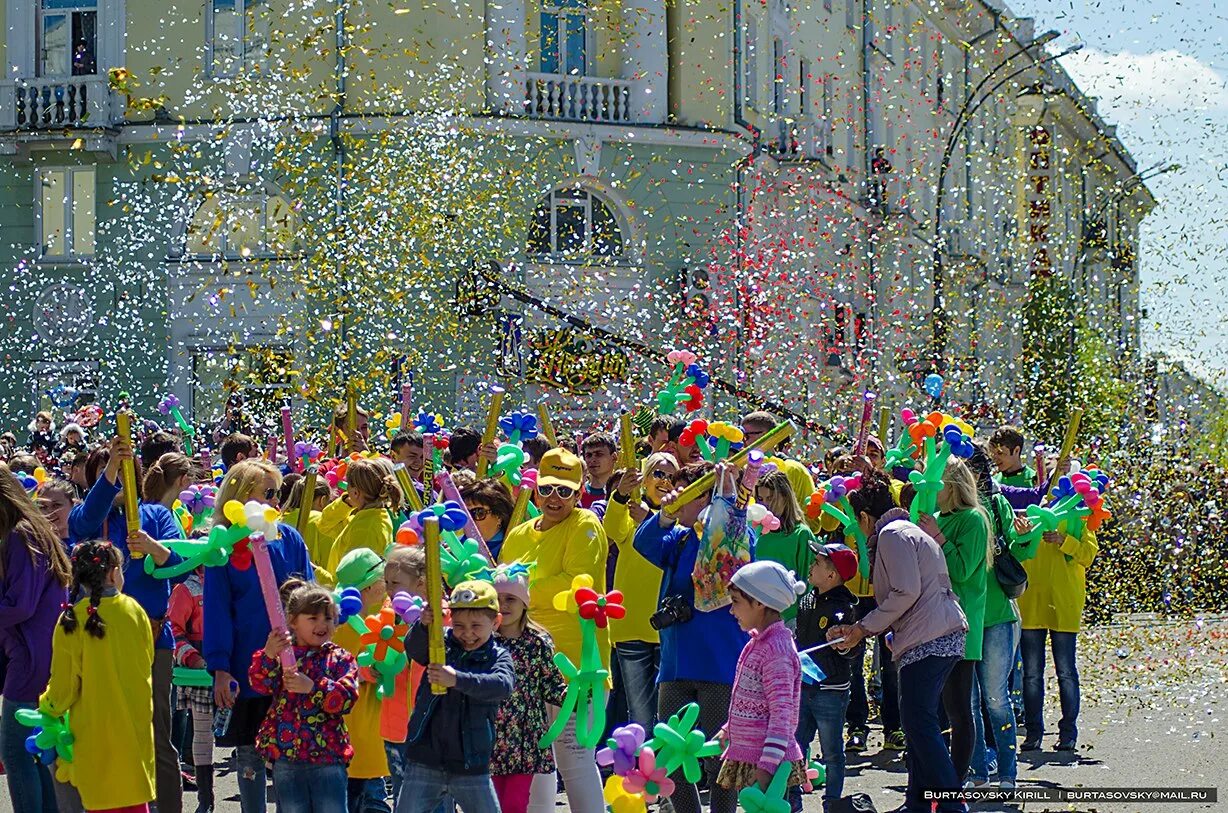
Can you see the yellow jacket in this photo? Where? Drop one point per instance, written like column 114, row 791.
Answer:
column 637, row 578
column 319, row 545
column 363, row 722
column 105, row 684
column 369, row 528
column 1057, row 584
column 575, row 546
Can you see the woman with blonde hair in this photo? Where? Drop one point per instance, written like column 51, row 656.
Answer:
column 237, row 625
column 962, row 531
column 372, row 496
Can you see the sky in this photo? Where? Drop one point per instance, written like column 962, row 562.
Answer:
column 1160, row 72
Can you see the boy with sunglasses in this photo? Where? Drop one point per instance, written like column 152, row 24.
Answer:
column 565, row 541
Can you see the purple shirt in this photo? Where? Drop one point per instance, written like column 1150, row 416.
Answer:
column 30, row 604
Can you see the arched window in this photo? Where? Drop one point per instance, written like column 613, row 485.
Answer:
column 241, row 222
column 573, row 222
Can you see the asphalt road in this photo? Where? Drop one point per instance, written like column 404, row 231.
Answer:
column 1154, row 699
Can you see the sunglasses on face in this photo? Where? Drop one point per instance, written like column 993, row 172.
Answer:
column 657, row 474
column 478, row 513
column 564, row 492
column 270, row 493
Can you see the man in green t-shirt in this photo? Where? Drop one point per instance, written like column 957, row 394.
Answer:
column 1006, row 449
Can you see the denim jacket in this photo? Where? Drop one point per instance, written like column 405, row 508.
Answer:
column 455, row 731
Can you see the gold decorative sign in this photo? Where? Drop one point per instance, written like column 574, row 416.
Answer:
column 572, row 362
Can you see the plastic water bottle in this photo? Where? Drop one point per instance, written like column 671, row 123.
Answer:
column 221, row 722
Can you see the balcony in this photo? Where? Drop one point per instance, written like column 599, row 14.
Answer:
column 34, row 105
column 578, row 98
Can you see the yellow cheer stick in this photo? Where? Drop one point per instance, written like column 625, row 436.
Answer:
column 543, row 418
column 492, row 423
column 351, row 422
column 767, row 441
column 127, row 471
column 434, row 597
column 308, row 499
column 884, row 424
column 521, row 507
column 1068, row 442
column 626, row 440
column 407, row 486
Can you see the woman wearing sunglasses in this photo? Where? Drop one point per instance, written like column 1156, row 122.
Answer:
column 491, row 505
column 637, row 646
column 237, row 624
column 565, row 541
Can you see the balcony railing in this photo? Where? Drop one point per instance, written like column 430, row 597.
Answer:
column 55, row 104
column 578, row 98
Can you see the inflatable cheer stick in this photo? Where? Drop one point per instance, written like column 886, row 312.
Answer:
column 127, row 469
column 772, row 800
column 287, row 431
column 626, row 443
column 272, row 601
column 766, row 442
column 543, row 418
column 407, row 487
column 528, row 482
column 679, row 744
column 867, row 409
column 884, row 424
column 452, row 494
column 428, row 469
column 437, row 656
column 586, row 685
column 750, row 476
column 306, row 501
column 492, row 423
column 1068, row 442
column 351, row 422
column 170, row 405
column 407, row 399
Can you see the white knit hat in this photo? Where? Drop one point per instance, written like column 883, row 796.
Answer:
column 769, row 583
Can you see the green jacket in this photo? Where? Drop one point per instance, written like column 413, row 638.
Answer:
column 1024, row 479
column 790, row 550
column 998, row 608
column 967, row 535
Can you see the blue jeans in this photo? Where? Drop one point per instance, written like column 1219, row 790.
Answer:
column 28, row 779
column 992, row 675
column 823, row 711
column 253, row 779
column 639, row 662
column 426, row 787
column 929, row 761
column 396, row 766
column 1016, row 681
column 367, row 796
column 1033, row 646
column 305, row 788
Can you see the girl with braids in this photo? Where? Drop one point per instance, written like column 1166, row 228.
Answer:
column 236, row 624
column 101, row 516
column 101, row 658
column 34, row 579
column 372, row 495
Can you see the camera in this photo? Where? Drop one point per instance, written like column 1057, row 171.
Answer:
column 673, row 610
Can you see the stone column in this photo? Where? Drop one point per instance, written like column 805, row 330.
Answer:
column 646, row 59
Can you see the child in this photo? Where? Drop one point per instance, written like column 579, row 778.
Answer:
column 319, row 545
column 303, row 734
column 363, row 569
column 824, row 704
column 186, row 612
column 404, row 572
column 789, row 545
column 522, row 720
column 763, row 706
column 42, row 437
column 451, row 736
column 101, row 674
column 371, row 493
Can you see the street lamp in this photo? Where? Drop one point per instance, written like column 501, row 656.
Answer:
column 938, row 318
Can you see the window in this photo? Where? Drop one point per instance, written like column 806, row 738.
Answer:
column 779, row 104
column 563, row 38
column 574, row 222
column 827, row 126
column 850, row 15
column 240, row 223
column 236, row 36
column 65, row 212
column 68, row 37
column 804, row 81
column 750, row 66
column 886, row 37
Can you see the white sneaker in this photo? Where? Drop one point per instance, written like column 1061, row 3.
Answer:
column 974, row 784
column 1006, row 784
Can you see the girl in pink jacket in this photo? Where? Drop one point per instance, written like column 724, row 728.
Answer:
column 767, row 686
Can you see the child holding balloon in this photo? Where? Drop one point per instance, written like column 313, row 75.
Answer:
column 371, row 493
column 304, row 733
column 101, row 673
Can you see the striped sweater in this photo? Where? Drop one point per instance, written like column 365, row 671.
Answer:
column 763, row 707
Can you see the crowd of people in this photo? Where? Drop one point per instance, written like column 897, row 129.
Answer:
column 928, row 621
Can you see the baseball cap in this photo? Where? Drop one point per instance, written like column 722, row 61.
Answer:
column 360, row 568
column 841, row 556
column 559, row 467
column 474, row 595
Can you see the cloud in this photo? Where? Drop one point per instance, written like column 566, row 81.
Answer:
column 1128, row 83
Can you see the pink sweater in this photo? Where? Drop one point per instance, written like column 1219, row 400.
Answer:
column 763, row 707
